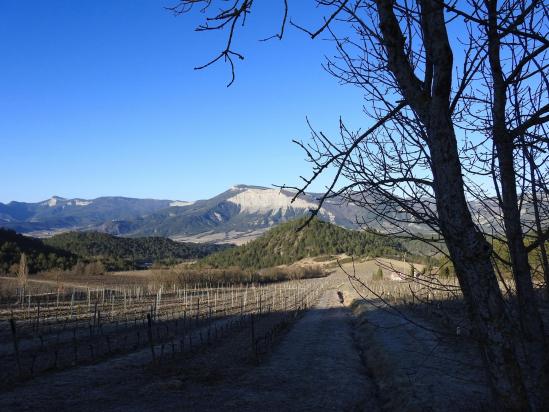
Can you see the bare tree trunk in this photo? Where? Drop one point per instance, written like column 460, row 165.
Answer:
column 529, row 315
column 537, row 220
column 530, row 321
column 531, row 324
column 470, row 253
column 468, row 249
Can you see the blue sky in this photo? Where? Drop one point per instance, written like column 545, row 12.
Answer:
column 100, row 98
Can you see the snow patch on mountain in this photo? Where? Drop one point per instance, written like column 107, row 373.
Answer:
column 52, row 202
column 180, row 203
column 266, row 200
column 80, row 202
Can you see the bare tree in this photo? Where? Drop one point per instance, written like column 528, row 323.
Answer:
column 407, row 169
column 23, row 272
column 508, row 105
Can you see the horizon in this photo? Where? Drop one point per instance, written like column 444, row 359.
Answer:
column 104, row 100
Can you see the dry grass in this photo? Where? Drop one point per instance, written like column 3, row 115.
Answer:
column 185, row 275
column 394, row 389
column 413, row 368
column 178, row 276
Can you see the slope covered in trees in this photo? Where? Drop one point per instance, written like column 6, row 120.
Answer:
column 118, row 253
column 284, row 244
column 39, row 256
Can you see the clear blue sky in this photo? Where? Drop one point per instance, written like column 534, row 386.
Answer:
column 100, row 98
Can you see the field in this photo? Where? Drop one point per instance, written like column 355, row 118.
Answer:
column 131, row 341
column 78, row 325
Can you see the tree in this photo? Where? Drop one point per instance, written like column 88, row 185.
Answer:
column 408, row 168
column 504, row 135
column 379, row 274
column 412, row 271
column 23, row 272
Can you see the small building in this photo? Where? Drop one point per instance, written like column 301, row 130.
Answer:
column 397, row 276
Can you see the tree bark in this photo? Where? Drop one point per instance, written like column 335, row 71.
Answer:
column 530, row 321
column 539, row 228
column 469, row 251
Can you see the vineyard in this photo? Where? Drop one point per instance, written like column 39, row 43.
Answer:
column 41, row 333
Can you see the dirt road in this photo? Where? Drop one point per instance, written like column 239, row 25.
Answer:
column 315, row 368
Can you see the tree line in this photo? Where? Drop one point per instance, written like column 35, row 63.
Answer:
column 284, row 244
column 120, row 253
column 39, row 256
column 94, row 252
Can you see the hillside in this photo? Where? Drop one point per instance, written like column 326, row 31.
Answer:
column 39, row 256
column 284, row 245
column 119, row 253
column 58, row 213
column 241, row 212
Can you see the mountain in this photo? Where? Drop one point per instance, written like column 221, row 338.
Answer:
column 242, row 212
column 237, row 215
column 59, row 214
column 284, row 244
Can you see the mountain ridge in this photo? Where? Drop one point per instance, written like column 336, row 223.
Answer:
column 238, row 214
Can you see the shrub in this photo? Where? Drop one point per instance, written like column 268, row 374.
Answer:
column 378, row 275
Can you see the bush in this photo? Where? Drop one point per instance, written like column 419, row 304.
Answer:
column 378, row 275
column 94, row 268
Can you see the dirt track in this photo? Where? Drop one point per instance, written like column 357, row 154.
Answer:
column 315, row 368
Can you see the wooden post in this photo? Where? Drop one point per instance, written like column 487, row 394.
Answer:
column 15, row 344
column 75, row 345
column 253, row 330
column 38, row 316
column 149, row 324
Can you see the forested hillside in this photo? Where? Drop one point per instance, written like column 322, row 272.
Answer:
column 39, row 256
column 284, row 244
column 118, row 253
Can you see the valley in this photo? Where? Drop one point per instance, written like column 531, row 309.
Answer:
column 318, row 317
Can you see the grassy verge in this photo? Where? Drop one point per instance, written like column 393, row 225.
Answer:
column 416, row 370
column 394, row 389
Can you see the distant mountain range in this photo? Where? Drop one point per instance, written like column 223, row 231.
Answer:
column 237, row 215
